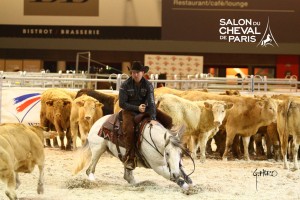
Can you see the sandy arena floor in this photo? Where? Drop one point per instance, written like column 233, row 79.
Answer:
column 214, row 179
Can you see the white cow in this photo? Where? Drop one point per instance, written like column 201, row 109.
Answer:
column 201, row 118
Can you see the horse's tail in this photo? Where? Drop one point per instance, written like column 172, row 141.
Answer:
column 84, row 157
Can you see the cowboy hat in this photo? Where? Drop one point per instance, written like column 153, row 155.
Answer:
column 138, row 66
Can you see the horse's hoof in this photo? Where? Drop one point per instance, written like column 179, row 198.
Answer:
column 40, row 189
column 92, row 177
column 132, row 182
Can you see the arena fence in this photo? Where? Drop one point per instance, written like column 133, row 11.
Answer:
column 251, row 83
column 20, row 92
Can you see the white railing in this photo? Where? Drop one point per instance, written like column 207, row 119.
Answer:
column 251, row 83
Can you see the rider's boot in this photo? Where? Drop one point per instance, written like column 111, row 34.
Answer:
column 130, row 162
column 128, row 130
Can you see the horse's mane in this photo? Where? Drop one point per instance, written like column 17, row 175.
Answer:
column 176, row 141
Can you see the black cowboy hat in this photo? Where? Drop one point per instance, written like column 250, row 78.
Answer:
column 138, row 66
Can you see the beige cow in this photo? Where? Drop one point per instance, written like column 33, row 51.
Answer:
column 84, row 112
column 107, row 99
column 288, row 124
column 201, row 118
column 166, row 90
column 245, row 118
column 21, row 148
column 55, row 112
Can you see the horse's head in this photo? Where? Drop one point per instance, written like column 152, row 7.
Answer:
column 172, row 154
column 166, row 153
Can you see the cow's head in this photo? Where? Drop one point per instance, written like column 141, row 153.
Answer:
column 268, row 110
column 218, row 109
column 59, row 106
column 88, row 108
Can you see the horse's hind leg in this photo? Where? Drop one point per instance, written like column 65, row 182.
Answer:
column 97, row 151
column 128, row 176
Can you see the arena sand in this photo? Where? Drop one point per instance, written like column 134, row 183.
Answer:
column 214, row 179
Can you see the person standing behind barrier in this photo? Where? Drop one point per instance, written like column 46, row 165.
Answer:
column 136, row 95
column 238, row 75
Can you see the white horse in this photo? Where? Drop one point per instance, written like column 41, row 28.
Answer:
column 159, row 147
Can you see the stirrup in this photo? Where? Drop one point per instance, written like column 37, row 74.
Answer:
column 130, row 165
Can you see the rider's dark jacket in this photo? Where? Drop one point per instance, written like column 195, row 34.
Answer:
column 131, row 96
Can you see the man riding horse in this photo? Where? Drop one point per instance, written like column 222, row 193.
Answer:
column 136, row 95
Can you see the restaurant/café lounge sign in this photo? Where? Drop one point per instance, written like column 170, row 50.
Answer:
column 254, row 23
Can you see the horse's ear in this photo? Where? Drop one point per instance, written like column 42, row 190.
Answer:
column 177, row 130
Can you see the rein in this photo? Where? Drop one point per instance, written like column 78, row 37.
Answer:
column 184, row 151
column 154, row 147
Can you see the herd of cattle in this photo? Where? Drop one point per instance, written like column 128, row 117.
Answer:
column 232, row 120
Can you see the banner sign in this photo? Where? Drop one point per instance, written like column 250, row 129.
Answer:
column 181, row 65
column 80, row 32
column 130, row 13
column 21, row 106
column 259, row 23
column 30, row 31
column 61, row 7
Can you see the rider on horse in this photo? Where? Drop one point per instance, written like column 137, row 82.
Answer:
column 136, row 96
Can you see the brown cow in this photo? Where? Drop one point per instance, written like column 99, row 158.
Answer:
column 84, row 112
column 288, row 124
column 21, row 148
column 55, row 111
column 273, row 142
column 245, row 118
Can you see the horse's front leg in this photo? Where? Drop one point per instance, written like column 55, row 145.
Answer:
column 128, row 176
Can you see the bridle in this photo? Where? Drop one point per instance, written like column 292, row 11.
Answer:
column 185, row 152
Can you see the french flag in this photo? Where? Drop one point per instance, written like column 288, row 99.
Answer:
column 27, row 100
